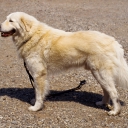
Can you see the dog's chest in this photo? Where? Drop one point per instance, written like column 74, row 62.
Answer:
column 35, row 64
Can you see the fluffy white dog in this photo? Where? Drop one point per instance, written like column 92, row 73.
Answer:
column 47, row 50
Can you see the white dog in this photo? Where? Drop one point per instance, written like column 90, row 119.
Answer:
column 47, row 50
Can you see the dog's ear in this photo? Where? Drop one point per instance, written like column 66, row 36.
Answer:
column 27, row 24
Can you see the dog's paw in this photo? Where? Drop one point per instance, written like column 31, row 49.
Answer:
column 32, row 108
column 38, row 106
column 113, row 113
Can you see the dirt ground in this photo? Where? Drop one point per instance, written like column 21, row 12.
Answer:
column 71, row 110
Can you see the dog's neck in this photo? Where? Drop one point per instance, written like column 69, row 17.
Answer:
column 24, row 42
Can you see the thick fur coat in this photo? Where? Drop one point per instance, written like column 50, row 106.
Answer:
column 47, row 50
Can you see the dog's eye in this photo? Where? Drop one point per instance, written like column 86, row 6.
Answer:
column 10, row 20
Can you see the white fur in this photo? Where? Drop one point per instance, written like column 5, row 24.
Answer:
column 47, row 50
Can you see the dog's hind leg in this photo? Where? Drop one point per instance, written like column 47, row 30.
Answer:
column 105, row 100
column 107, row 83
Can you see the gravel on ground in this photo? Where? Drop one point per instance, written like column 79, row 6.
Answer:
column 72, row 110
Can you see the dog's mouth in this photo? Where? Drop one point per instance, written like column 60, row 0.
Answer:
column 6, row 34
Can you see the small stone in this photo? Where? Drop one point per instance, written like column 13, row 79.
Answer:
column 3, row 98
column 1, row 117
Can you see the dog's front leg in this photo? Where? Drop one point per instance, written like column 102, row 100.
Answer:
column 41, row 90
column 39, row 72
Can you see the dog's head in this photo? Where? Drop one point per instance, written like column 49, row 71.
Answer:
column 16, row 24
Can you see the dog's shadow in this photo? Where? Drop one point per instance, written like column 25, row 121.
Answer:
column 26, row 94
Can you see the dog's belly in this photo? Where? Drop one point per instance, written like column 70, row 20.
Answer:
column 65, row 63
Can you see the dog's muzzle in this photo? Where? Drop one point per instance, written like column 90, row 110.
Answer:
column 6, row 34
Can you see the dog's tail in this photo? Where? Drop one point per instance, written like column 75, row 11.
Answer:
column 121, row 68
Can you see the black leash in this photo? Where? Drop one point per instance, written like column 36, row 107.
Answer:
column 70, row 90
column 30, row 76
column 59, row 93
